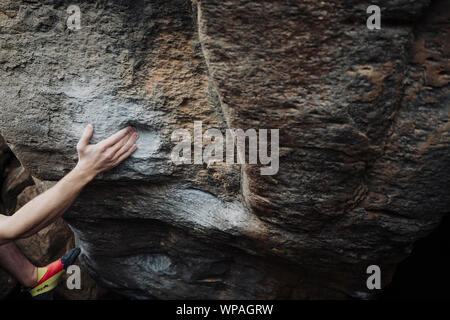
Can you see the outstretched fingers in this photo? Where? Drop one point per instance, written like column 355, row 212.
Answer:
column 125, row 155
column 115, row 138
column 116, row 147
column 127, row 146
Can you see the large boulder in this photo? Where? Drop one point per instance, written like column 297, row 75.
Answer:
column 364, row 137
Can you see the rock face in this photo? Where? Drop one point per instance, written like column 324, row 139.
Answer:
column 364, row 137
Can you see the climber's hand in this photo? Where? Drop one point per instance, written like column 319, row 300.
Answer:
column 96, row 158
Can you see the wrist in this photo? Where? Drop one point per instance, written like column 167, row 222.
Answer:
column 82, row 174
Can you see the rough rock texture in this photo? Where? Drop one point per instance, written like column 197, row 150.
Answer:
column 364, row 137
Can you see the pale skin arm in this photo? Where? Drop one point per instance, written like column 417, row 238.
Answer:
column 92, row 160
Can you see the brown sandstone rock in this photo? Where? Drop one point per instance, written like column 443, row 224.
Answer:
column 364, row 137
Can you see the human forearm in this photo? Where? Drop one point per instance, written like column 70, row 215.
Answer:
column 51, row 204
column 92, row 160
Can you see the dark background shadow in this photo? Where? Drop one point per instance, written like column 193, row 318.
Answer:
column 425, row 274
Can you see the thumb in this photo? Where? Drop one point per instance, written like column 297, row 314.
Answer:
column 87, row 134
